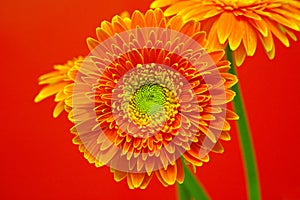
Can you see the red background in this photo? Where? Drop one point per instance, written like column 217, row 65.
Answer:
column 38, row 159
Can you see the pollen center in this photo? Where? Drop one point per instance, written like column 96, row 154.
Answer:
column 145, row 100
column 151, row 105
column 149, row 99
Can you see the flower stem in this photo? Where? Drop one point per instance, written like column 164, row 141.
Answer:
column 190, row 188
column 245, row 137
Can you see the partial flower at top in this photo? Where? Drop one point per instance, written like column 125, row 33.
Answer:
column 241, row 23
column 149, row 93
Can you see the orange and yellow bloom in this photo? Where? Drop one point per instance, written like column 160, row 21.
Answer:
column 147, row 101
column 240, row 23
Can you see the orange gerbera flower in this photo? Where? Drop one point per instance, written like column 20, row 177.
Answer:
column 59, row 83
column 241, row 23
column 148, row 94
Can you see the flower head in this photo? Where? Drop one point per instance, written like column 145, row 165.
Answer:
column 240, row 23
column 148, row 94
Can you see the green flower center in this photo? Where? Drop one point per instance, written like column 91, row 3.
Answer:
column 149, row 99
column 146, row 100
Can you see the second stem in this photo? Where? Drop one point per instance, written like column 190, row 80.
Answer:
column 245, row 137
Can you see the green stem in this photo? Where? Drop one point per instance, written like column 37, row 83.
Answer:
column 190, row 188
column 245, row 137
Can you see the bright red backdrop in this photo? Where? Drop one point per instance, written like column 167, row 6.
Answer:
column 38, row 159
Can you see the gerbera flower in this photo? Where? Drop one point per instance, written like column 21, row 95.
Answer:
column 59, row 83
column 148, row 94
column 240, row 23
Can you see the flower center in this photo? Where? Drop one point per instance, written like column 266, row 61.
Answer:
column 152, row 104
column 145, row 100
column 149, row 99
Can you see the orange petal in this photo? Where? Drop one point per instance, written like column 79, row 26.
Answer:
column 49, row 91
column 239, row 55
column 188, row 28
column 277, row 32
column 136, row 179
column 118, row 27
column 160, row 179
column 137, row 20
column 230, row 80
column 291, row 34
column 60, row 96
column 199, row 12
column 200, row 37
column 58, row 109
column 54, row 79
column 236, row 35
column 249, row 39
column 252, row 15
column 282, row 20
column 212, row 12
column 150, row 18
column 49, row 75
column 169, row 175
column 217, row 55
column 92, row 43
column 180, row 171
column 225, row 136
column 175, row 23
column 230, row 115
column 267, row 41
column 176, row 7
column 102, row 34
column 225, row 26
column 129, row 182
column 191, row 159
column 159, row 15
column 271, row 54
column 218, row 148
column 107, row 26
column 213, row 40
column 119, row 175
column 146, row 181
column 261, row 26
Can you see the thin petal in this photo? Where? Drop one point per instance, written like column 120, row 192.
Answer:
column 225, row 26
column 137, row 20
column 282, row 20
column 267, row 41
column 175, row 8
column 49, row 91
column 180, row 171
column 230, row 115
column 102, row 34
column 137, row 179
column 146, row 181
column 239, row 55
column 169, row 175
column 150, row 18
column 277, row 32
column 58, row 109
column 119, row 175
column 92, row 43
column 236, row 35
column 249, row 39
column 261, row 26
